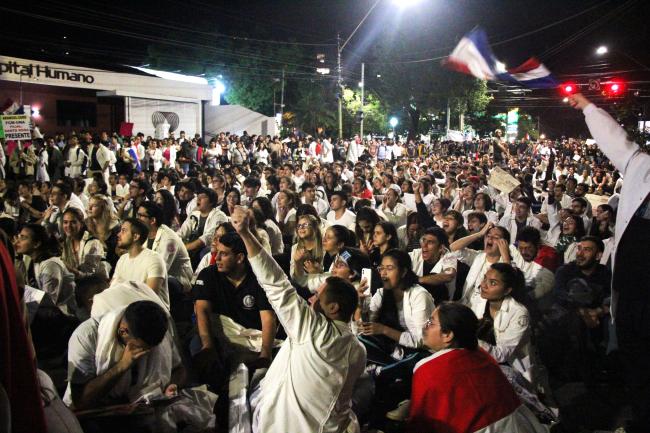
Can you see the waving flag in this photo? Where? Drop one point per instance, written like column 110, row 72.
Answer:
column 474, row 56
column 134, row 154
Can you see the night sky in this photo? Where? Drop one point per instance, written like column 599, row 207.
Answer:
column 564, row 34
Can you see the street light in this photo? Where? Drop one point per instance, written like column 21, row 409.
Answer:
column 405, row 3
column 601, row 50
column 393, row 123
column 340, row 47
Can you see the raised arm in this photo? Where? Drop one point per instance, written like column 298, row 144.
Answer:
column 611, row 138
column 468, row 240
column 294, row 314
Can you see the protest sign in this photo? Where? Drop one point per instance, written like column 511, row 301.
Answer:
column 502, row 180
column 126, row 129
column 16, row 127
column 596, row 200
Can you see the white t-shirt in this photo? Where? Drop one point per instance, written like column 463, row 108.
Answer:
column 147, row 264
column 348, row 219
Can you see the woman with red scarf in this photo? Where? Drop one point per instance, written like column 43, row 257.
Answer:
column 460, row 388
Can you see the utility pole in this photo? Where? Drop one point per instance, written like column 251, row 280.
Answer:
column 339, row 84
column 363, row 88
column 282, row 99
column 448, row 116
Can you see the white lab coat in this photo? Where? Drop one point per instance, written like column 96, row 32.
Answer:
column 478, row 264
column 173, row 252
column 76, row 160
column 448, row 260
column 633, row 164
column 508, row 222
column 512, row 332
column 396, row 216
column 327, row 155
column 417, row 306
column 41, row 172
column 309, row 385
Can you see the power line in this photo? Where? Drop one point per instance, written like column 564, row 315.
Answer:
column 149, row 23
column 502, row 42
column 157, row 39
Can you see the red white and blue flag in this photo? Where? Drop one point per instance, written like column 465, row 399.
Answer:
column 474, row 56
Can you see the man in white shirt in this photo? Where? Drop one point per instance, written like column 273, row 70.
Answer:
column 519, row 219
column 139, row 263
column 435, row 265
column 168, row 245
column 199, row 227
column 76, row 156
column 309, row 197
column 115, row 356
column 340, row 215
column 60, row 201
column 327, row 151
column 308, row 388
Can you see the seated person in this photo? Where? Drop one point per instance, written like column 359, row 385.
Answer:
column 461, row 375
column 113, row 358
column 540, row 263
column 321, row 356
column 140, row 264
column 230, row 289
column 505, row 333
column 393, row 334
column 577, row 319
column 435, row 265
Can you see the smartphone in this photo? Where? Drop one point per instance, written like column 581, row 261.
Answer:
column 367, row 274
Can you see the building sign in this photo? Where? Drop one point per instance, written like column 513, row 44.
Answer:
column 31, row 70
column 121, row 84
column 15, row 127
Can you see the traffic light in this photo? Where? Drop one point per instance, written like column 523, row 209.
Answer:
column 568, row 88
column 614, row 88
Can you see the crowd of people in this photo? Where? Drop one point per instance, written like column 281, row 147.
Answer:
column 262, row 284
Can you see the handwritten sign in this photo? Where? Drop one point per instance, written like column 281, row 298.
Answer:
column 502, row 180
column 16, row 127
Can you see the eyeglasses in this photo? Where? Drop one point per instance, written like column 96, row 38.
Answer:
column 389, row 268
column 303, row 226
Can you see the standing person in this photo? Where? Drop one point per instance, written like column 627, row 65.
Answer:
column 325, row 357
column 55, row 160
column 630, row 297
column 76, row 158
column 42, row 175
column 99, row 160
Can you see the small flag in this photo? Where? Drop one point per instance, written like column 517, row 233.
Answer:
column 473, row 56
column 134, row 155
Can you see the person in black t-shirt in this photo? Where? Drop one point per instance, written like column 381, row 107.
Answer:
column 32, row 206
column 229, row 288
